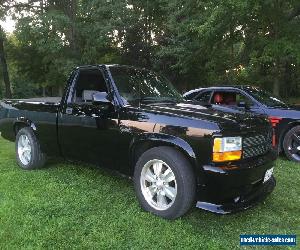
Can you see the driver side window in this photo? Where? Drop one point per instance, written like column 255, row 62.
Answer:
column 88, row 82
column 242, row 98
column 204, row 97
column 230, row 98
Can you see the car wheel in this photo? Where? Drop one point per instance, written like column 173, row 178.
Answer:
column 28, row 153
column 164, row 182
column 291, row 144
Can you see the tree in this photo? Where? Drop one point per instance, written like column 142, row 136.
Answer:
column 272, row 40
column 46, row 37
column 5, row 74
column 195, row 43
column 3, row 62
column 229, row 42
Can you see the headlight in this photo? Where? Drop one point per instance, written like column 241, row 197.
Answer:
column 227, row 149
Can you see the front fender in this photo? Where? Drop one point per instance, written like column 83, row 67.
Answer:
column 159, row 139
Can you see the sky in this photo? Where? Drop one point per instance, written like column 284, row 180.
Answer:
column 8, row 25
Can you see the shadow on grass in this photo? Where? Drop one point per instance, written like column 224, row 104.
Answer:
column 195, row 217
column 103, row 189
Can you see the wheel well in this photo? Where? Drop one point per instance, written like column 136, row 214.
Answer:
column 289, row 127
column 142, row 147
column 18, row 126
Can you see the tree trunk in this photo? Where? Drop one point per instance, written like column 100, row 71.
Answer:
column 277, row 77
column 73, row 28
column 70, row 11
column 4, row 69
column 276, row 86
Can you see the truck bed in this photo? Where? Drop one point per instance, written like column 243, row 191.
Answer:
column 41, row 112
column 15, row 108
column 40, row 100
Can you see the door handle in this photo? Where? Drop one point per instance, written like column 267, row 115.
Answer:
column 69, row 111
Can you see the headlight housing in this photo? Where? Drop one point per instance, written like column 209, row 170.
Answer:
column 227, row 149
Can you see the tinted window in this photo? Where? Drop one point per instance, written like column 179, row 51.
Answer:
column 266, row 98
column 191, row 95
column 230, row 98
column 88, row 81
column 143, row 85
column 243, row 98
column 204, row 97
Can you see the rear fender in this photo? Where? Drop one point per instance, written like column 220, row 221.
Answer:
column 288, row 127
column 23, row 122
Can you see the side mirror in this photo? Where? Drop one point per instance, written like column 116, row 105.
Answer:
column 101, row 98
column 243, row 105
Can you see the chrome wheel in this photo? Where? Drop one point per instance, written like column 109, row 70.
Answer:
column 294, row 146
column 158, row 184
column 24, row 149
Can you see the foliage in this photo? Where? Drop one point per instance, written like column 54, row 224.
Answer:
column 235, row 42
column 195, row 43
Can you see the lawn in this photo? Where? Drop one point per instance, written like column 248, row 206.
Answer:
column 74, row 206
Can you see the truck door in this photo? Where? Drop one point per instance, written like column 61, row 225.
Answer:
column 87, row 131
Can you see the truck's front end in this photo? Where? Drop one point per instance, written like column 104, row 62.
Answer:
column 231, row 154
column 240, row 173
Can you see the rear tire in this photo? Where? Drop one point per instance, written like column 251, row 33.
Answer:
column 164, row 182
column 28, row 153
column 291, row 144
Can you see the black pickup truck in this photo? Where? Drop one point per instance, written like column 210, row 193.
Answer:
column 133, row 121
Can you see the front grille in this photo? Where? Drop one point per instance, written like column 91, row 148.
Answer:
column 257, row 145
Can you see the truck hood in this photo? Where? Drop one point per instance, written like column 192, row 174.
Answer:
column 226, row 120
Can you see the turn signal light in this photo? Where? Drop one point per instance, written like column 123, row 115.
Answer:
column 227, row 149
column 227, row 156
column 274, row 121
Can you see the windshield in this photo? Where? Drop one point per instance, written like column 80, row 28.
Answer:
column 143, row 85
column 266, row 98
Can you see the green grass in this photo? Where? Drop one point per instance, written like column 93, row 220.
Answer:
column 74, row 206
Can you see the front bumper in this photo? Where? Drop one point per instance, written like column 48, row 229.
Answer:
column 235, row 186
column 243, row 202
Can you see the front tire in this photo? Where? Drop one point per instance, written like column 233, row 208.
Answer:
column 28, row 153
column 291, row 144
column 164, row 182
